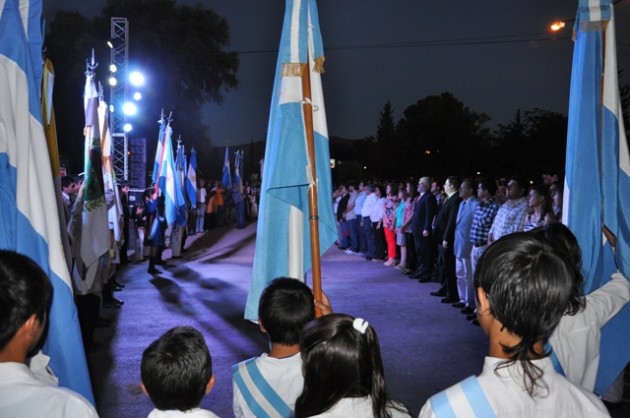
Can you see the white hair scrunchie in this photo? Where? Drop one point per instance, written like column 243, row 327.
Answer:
column 360, row 325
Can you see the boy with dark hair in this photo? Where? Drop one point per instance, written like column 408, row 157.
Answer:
column 269, row 385
column 25, row 294
column 176, row 372
column 523, row 289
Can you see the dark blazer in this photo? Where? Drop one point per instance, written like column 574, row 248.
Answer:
column 423, row 213
column 446, row 220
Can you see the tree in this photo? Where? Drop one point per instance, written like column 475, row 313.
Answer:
column 439, row 136
column 530, row 146
column 181, row 48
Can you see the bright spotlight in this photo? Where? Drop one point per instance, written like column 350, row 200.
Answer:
column 137, row 96
column 110, row 45
column 556, row 26
column 111, row 108
column 136, row 78
column 130, row 109
column 112, row 68
column 113, row 81
column 127, row 127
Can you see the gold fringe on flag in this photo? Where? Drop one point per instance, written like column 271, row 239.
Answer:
column 319, row 64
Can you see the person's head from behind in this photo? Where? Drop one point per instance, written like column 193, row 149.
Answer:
column 523, row 288
column 176, row 370
column 25, row 294
column 341, row 359
column 286, row 305
column 563, row 240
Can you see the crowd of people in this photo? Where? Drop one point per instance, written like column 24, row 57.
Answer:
column 499, row 256
column 432, row 232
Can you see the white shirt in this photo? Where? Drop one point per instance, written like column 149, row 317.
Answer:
column 575, row 340
column 23, row 396
column 369, row 202
column 284, row 375
column 378, row 210
column 356, row 408
column 506, row 393
column 193, row 413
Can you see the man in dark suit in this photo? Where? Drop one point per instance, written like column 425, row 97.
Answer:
column 444, row 234
column 421, row 227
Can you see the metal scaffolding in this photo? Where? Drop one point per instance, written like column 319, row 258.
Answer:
column 118, row 96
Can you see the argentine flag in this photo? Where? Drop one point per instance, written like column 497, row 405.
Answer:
column 191, row 179
column 227, row 177
column 597, row 189
column 169, row 183
column 27, row 223
column 283, row 239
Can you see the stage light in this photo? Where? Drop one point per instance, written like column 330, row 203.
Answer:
column 110, row 44
column 137, row 96
column 127, row 127
column 112, row 68
column 136, row 78
column 130, row 109
column 111, row 108
column 112, row 81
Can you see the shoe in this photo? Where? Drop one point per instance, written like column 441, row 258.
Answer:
column 467, row 310
column 117, row 284
column 113, row 303
column 471, row 316
column 177, row 256
column 343, row 248
column 458, row 305
column 102, row 322
column 449, row 299
column 440, row 293
column 475, row 322
column 350, row 252
column 389, row 262
column 154, row 271
column 424, row 279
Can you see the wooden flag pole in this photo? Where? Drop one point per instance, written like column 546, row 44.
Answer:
column 307, row 108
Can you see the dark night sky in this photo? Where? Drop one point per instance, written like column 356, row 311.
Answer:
column 496, row 56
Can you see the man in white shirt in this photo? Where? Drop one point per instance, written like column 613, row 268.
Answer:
column 23, row 310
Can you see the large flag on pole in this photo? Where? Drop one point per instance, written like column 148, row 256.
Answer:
column 27, row 225
column 94, row 239
column 238, row 162
column 191, row 179
column 283, row 236
column 169, row 184
column 159, row 151
column 227, row 177
column 598, row 172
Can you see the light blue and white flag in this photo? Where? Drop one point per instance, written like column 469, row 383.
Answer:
column 169, row 184
column 227, row 177
column 238, row 162
column 283, row 236
column 159, row 150
column 27, row 223
column 191, row 179
column 598, row 172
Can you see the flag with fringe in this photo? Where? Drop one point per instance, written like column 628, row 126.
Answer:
column 283, row 236
column 598, row 173
column 27, row 225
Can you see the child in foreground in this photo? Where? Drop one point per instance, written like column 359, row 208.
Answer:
column 268, row 385
column 523, row 289
column 25, row 295
column 343, row 371
column 176, row 373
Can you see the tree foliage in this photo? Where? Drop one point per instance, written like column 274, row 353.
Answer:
column 180, row 48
